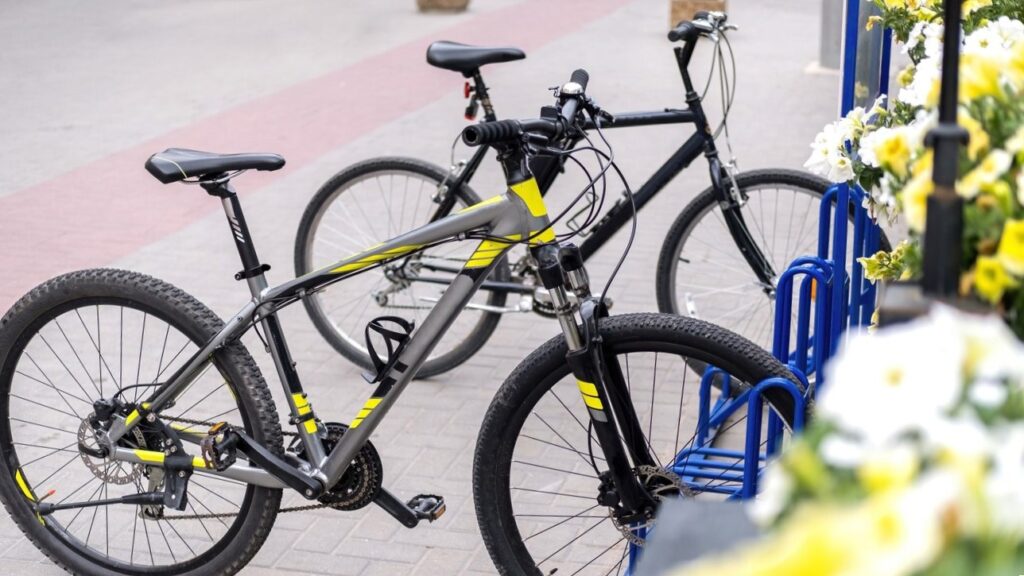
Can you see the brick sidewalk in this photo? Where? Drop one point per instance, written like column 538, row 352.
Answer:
column 378, row 99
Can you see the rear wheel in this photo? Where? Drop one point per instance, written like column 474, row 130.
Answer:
column 535, row 472
column 106, row 333
column 368, row 203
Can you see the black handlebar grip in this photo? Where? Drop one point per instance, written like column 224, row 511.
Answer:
column 684, row 31
column 580, row 77
column 491, row 132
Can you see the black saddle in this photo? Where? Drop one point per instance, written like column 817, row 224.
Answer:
column 468, row 59
column 176, row 164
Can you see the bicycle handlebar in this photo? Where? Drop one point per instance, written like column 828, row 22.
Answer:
column 703, row 22
column 502, row 131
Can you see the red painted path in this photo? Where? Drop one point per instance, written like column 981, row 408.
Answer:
column 110, row 208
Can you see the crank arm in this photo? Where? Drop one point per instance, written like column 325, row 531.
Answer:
column 422, row 507
column 142, row 499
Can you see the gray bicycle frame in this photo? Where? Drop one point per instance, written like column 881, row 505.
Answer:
column 518, row 215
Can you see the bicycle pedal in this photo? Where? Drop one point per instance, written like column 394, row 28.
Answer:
column 427, row 506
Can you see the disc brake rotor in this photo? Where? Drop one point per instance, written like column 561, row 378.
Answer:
column 660, row 484
column 106, row 470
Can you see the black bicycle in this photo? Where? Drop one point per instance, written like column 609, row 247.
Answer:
column 719, row 260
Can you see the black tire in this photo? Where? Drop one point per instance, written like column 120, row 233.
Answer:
column 504, row 424
column 703, row 209
column 81, row 291
column 445, row 357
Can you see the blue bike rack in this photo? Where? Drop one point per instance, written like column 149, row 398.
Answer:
column 828, row 302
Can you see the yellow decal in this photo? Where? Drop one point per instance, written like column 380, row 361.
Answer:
column 149, row 456
column 302, row 404
column 365, row 261
column 530, row 194
column 131, row 418
column 590, row 397
column 24, row 486
column 492, row 200
column 488, row 250
column 198, row 462
column 367, row 408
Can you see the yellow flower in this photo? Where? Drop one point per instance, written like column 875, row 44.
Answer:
column 894, row 4
column 979, row 140
column 906, row 76
column 1015, row 65
column 1011, row 247
column 915, row 200
column 893, row 152
column 971, row 6
column 872, row 22
column 980, row 76
column 991, row 279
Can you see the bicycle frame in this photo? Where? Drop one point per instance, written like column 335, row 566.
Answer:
column 546, row 169
column 517, row 216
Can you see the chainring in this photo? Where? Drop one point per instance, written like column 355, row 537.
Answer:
column 361, row 482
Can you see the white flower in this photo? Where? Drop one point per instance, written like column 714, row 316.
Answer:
column 776, row 487
column 840, row 167
column 898, row 380
column 965, row 437
column 841, row 452
column 988, row 394
column 1003, row 484
column 921, row 90
column 994, row 38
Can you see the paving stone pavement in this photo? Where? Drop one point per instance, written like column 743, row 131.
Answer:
column 80, row 110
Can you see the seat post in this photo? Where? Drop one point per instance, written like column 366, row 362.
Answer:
column 481, row 93
column 252, row 271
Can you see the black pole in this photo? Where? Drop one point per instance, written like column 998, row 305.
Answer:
column 944, row 222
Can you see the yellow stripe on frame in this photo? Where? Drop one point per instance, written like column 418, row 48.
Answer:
column 587, row 388
column 530, row 194
column 150, row 456
column 593, row 402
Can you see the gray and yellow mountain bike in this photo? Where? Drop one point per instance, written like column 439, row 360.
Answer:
column 139, row 437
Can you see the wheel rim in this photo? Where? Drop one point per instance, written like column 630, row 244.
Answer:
column 368, row 210
column 54, row 375
column 551, row 486
column 783, row 222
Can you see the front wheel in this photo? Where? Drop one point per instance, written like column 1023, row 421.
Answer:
column 701, row 272
column 536, row 467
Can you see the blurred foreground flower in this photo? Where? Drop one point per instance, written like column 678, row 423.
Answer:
column 914, row 464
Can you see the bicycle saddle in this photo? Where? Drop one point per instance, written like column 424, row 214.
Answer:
column 467, row 59
column 176, row 164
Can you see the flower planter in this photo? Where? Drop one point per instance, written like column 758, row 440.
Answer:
column 442, row 5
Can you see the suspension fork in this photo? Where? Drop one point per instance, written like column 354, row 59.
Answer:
column 598, row 377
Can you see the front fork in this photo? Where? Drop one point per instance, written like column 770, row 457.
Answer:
column 730, row 202
column 600, row 381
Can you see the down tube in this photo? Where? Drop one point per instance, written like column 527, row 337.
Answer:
column 422, row 343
